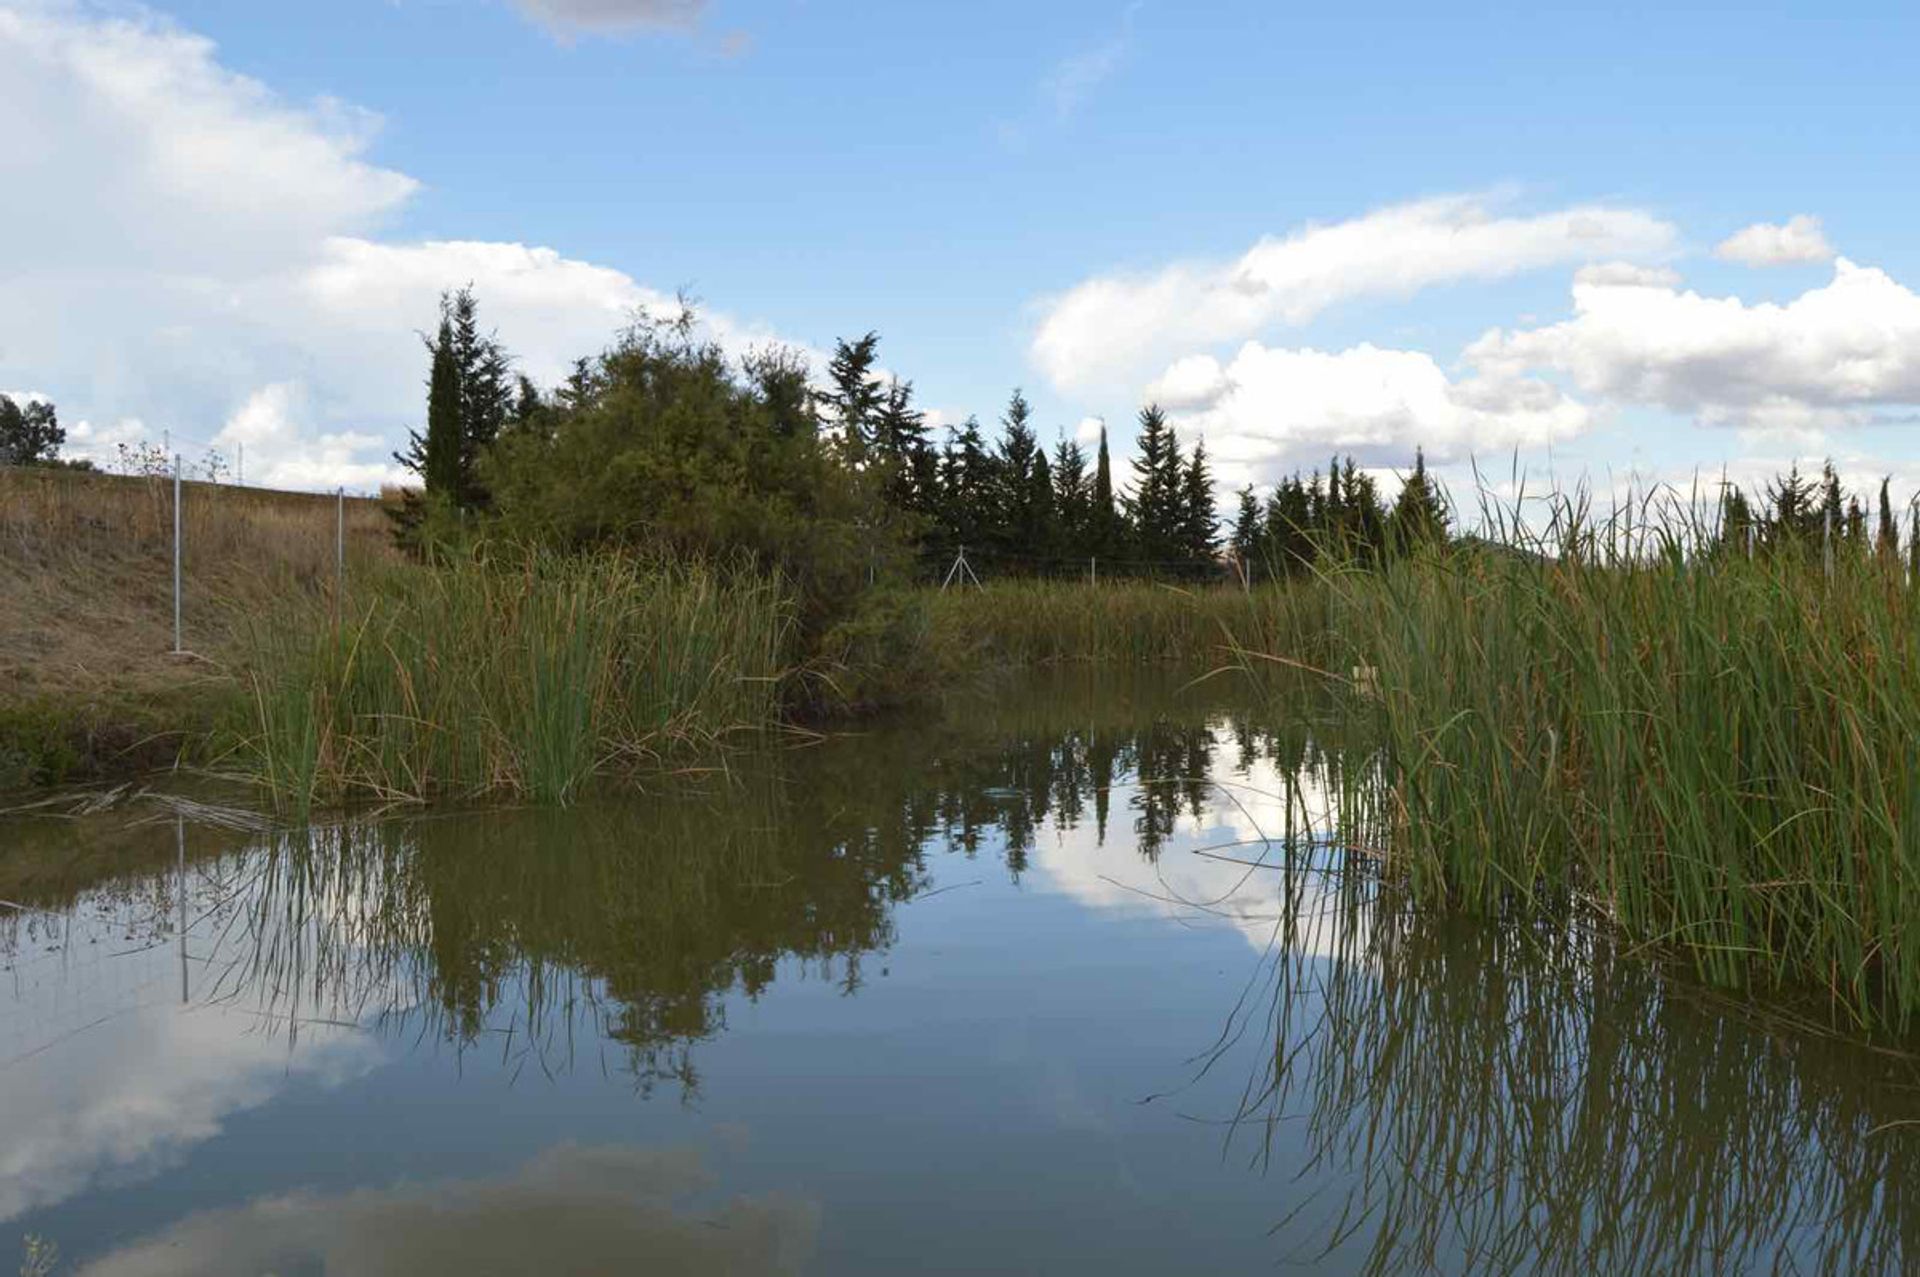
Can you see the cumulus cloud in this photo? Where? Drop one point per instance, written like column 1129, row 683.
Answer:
column 1107, row 328
column 1845, row 353
column 1798, row 241
column 1267, row 410
column 204, row 257
column 600, row 17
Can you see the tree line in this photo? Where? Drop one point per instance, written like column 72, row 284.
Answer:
column 1007, row 500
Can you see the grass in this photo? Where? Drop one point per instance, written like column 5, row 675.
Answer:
column 88, row 682
column 1712, row 755
column 526, row 674
column 1043, row 622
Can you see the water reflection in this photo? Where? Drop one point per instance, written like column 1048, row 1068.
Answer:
column 1326, row 1078
column 572, row 1209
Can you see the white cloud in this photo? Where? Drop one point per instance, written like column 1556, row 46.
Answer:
column 600, row 17
column 1841, row 354
column 1269, row 410
column 205, row 258
column 1108, row 327
column 1073, row 80
column 1800, row 240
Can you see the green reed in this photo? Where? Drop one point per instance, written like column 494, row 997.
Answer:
column 1040, row 622
column 526, row 675
column 1710, row 750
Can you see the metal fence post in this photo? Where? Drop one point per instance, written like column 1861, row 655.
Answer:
column 177, row 648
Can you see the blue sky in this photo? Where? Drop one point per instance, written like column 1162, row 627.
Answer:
column 1296, row 224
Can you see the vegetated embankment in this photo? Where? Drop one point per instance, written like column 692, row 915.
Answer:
column 88, row 682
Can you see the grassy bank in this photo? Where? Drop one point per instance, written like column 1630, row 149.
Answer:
column 522, row 674
column 88, row 682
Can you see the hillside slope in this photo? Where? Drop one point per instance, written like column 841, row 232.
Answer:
column 88, row 680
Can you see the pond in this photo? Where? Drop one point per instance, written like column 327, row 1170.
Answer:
column 1074, row 979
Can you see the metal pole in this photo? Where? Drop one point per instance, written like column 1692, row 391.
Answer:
column 176, row 554
column 240, row 465
column 1828, row 543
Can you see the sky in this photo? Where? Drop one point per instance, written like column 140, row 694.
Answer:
column 1607, row 243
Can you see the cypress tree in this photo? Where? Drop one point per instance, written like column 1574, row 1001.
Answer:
column 1889, row 540
column 1103, row 518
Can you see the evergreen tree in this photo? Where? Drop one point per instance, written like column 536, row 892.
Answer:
column 1290, row 525
column 1017, row 522
column 1248, row 530
column 484, row 373
column 778, row 375
column 966, row 485
column 900, row 436
column 854, row 400
column 1888, row 542
column 30, row 432
column 1419, row 514
column 1155, row 507
column 1105, row 532
column 1072, row 499
column 1736, row 520
column 1793, row 514
column 441, row 452
column 1042, row 532
column 1199, row 519
column 1833, row 513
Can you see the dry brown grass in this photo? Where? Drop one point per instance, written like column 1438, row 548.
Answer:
column 86, row 578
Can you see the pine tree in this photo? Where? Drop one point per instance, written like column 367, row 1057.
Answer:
column 486, row 391
column 854, row 400
column 1154, row 506
column 1290, row 524
column 1072, row 499
column 1248, row 530
column 966, row 484
column 1888, row 544
column 900, row 436
column 1792, row 515
column 1042, row 532
column 1419, row 515
column 441, row 467
column 1199, row 519
column 1016, row 520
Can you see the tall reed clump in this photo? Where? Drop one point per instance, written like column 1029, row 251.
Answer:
column 1041, row 622
column 526, row 676
column 1713, row 751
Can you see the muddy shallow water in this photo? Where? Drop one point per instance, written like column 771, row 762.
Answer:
column 1071, row 981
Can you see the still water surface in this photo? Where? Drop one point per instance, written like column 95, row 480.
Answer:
column 1062, row 984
